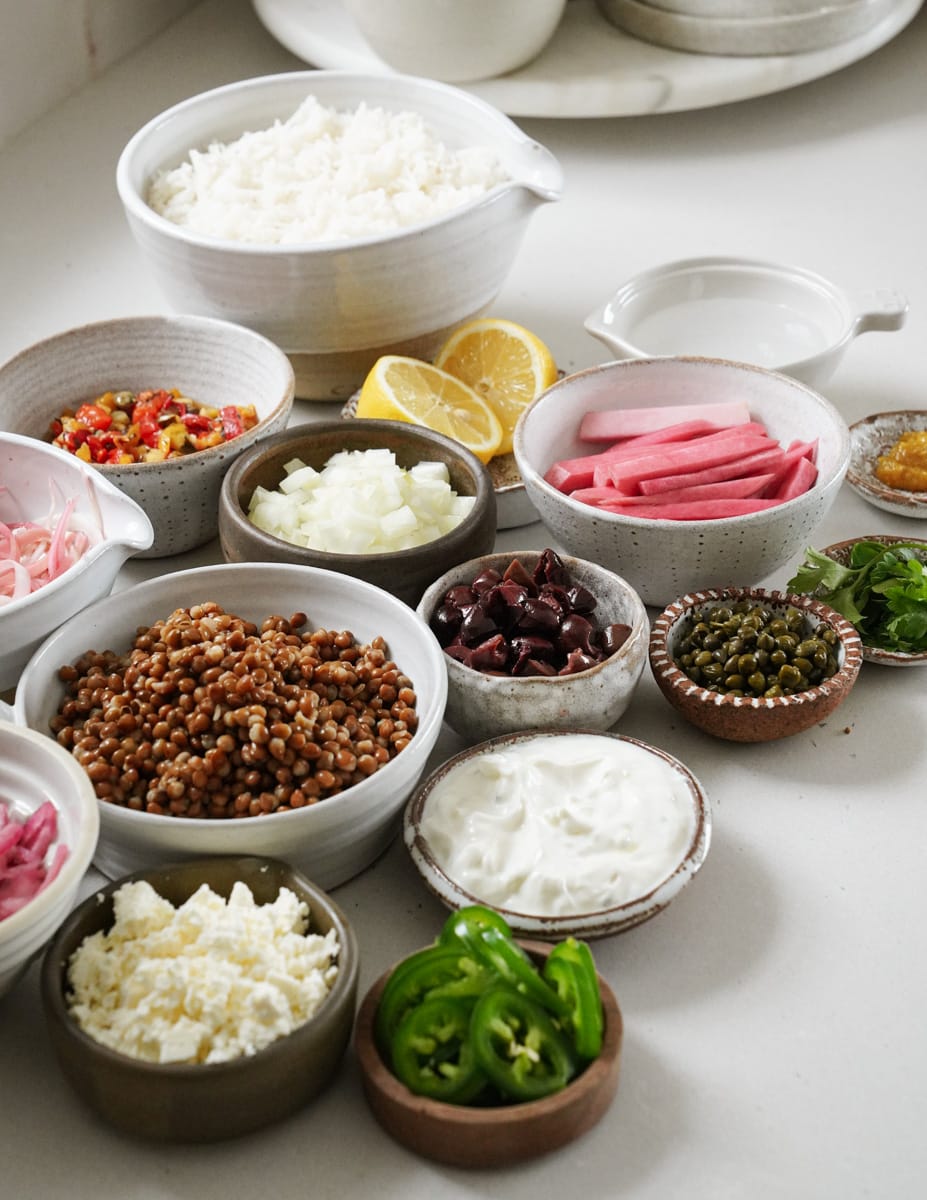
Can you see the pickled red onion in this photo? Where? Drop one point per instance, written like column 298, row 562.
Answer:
column 36, row 552
column 23, row 851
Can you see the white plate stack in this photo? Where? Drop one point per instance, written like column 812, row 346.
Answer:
column 746, row 27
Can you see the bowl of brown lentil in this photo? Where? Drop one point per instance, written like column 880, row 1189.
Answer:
column 751, row 665
column 250, row 708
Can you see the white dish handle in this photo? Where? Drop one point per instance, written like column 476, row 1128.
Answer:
column 883, row 310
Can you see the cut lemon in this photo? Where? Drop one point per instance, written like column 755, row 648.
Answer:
column 506, row 364
column 408, row 389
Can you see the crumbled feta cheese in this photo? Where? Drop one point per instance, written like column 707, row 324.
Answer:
column 206, row 982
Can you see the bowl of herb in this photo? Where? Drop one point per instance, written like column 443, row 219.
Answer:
column 878, row 582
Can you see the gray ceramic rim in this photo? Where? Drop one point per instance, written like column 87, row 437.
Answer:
column 328, row 560
column 871, row 436
column 345, row 980
column 591, row 925
column 667, row 623
column 134, row 203
column 873, row 654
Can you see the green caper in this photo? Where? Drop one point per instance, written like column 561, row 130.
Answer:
column 734, row 682
column 757, row 682
column 789, row 676
column 703, row 658
column 746, row 664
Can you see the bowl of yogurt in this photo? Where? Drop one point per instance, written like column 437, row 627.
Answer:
column 567, row 832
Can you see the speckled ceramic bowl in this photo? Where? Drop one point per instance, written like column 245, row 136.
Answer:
column 211, row 361
column 335, row 306
column 746, row 718
column 481, row 706
column 659, row 558
column 482, row 1138
column 203, row 1102
column 875, row 435
column 596, row 923
column 405, row 573
column 840, row 552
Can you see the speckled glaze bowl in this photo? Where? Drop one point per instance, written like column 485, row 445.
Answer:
column 203, row 1102
column 481, row 706
column 405, row 573
column 211, row 361
column 840, row 552
column 875, row 435
column 502, row 1136
column 585, row 925
column 745, row 718
column 336, row 306
column 663, row 559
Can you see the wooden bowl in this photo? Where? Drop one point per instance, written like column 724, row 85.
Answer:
column 750, row 718
column 488, row 1137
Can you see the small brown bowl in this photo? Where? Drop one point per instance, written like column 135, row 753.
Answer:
column 746, row 718
column 488, row 1137
column 840, row 552
column 183, row 1102
column 404, row 573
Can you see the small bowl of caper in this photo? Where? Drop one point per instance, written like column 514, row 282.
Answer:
column 751, row 665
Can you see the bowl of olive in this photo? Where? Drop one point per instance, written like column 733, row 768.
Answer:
column 752, row 665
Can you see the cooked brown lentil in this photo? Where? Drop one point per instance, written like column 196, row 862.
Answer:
column 207, row 715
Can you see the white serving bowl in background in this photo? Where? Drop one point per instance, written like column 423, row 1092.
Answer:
column 34, row 769
column 33, row 474
column 456, row 42
column 593, row 924
column 770, row 314
column 213, row 362
column 330, row 841
column 663, row 559
column 335, row 307
column 481, row 706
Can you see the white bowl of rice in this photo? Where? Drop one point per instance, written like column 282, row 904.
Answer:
column 342, row 215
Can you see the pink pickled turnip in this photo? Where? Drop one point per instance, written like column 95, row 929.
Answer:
column 25, row 868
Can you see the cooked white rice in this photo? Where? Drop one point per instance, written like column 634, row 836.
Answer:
column 323, row 175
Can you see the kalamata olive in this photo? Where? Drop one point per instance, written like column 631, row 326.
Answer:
column 557, row 597
column 614, row 637
column 461, row 596
column 535, row 666
column 459, row 651
column 486, row 579
column 582, row 600
column 578, row 660
column 533, row 647
column 577, row 633
column 491, row 655
column 517, row 573
column 550, row 569
column 538, row 617
column 476, row 625
column 446, row 623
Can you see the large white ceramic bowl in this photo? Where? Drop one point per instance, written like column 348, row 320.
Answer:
column 34, row 769
column 335, row 307
column 330, row 841
column 38, row 479
column 457, row 42
column 663, row 559
column 770, row 314
column 213, row 362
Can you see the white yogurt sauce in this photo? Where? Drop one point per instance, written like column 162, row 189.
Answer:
column 557, row 826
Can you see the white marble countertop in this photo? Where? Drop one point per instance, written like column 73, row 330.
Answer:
column 775, row 1041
